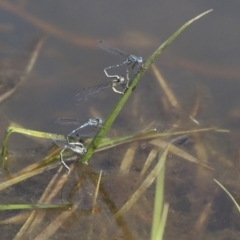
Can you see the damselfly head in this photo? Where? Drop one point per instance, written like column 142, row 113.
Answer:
column 99, row 120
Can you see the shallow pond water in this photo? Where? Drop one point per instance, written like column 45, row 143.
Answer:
column 201, row 68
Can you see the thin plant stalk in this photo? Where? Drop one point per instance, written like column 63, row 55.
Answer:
column 229, row 194
column 112, row 116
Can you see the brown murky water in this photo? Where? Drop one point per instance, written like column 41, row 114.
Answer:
column 202, row 69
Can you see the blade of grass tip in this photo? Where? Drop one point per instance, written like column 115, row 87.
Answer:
column 107, row 124
column 223, row 131
column 229, row 194
column 172, row 38
column 162, row 223
column 179, row 152
column 145, row 184
column 199, row 96
column 34, row 55
column 158, row 202
column 149, row 160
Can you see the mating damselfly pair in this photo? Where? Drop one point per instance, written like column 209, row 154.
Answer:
column 75, row 146
column 116, row 79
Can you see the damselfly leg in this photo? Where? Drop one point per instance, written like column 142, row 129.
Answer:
column 76, row 147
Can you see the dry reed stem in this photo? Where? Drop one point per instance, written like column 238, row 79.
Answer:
column 96, row 192
column 36, row 217
column 128, row 158
column 28, row 68
column 145, row 184
column 166, row 89
column 199, row 225
column 46, row 27
column 49, row 231
column 149, row 160
column 16, row 219
column 178, row 151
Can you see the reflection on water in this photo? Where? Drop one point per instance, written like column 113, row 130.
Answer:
column 196, row 89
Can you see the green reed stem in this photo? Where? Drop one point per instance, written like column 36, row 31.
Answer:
column 112, row 116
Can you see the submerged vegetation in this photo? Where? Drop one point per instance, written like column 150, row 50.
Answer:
column 97, row 212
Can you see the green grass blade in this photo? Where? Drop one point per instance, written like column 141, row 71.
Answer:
column 27, row 132
column 107, row 143
column 109, row 121
column 4, row 207
column 162, row 223
column 158, row 203
column 145, row 184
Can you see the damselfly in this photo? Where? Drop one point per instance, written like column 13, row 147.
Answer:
column 91, row 122
column 116, row 81
column 136, row 61
column 76, row 147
